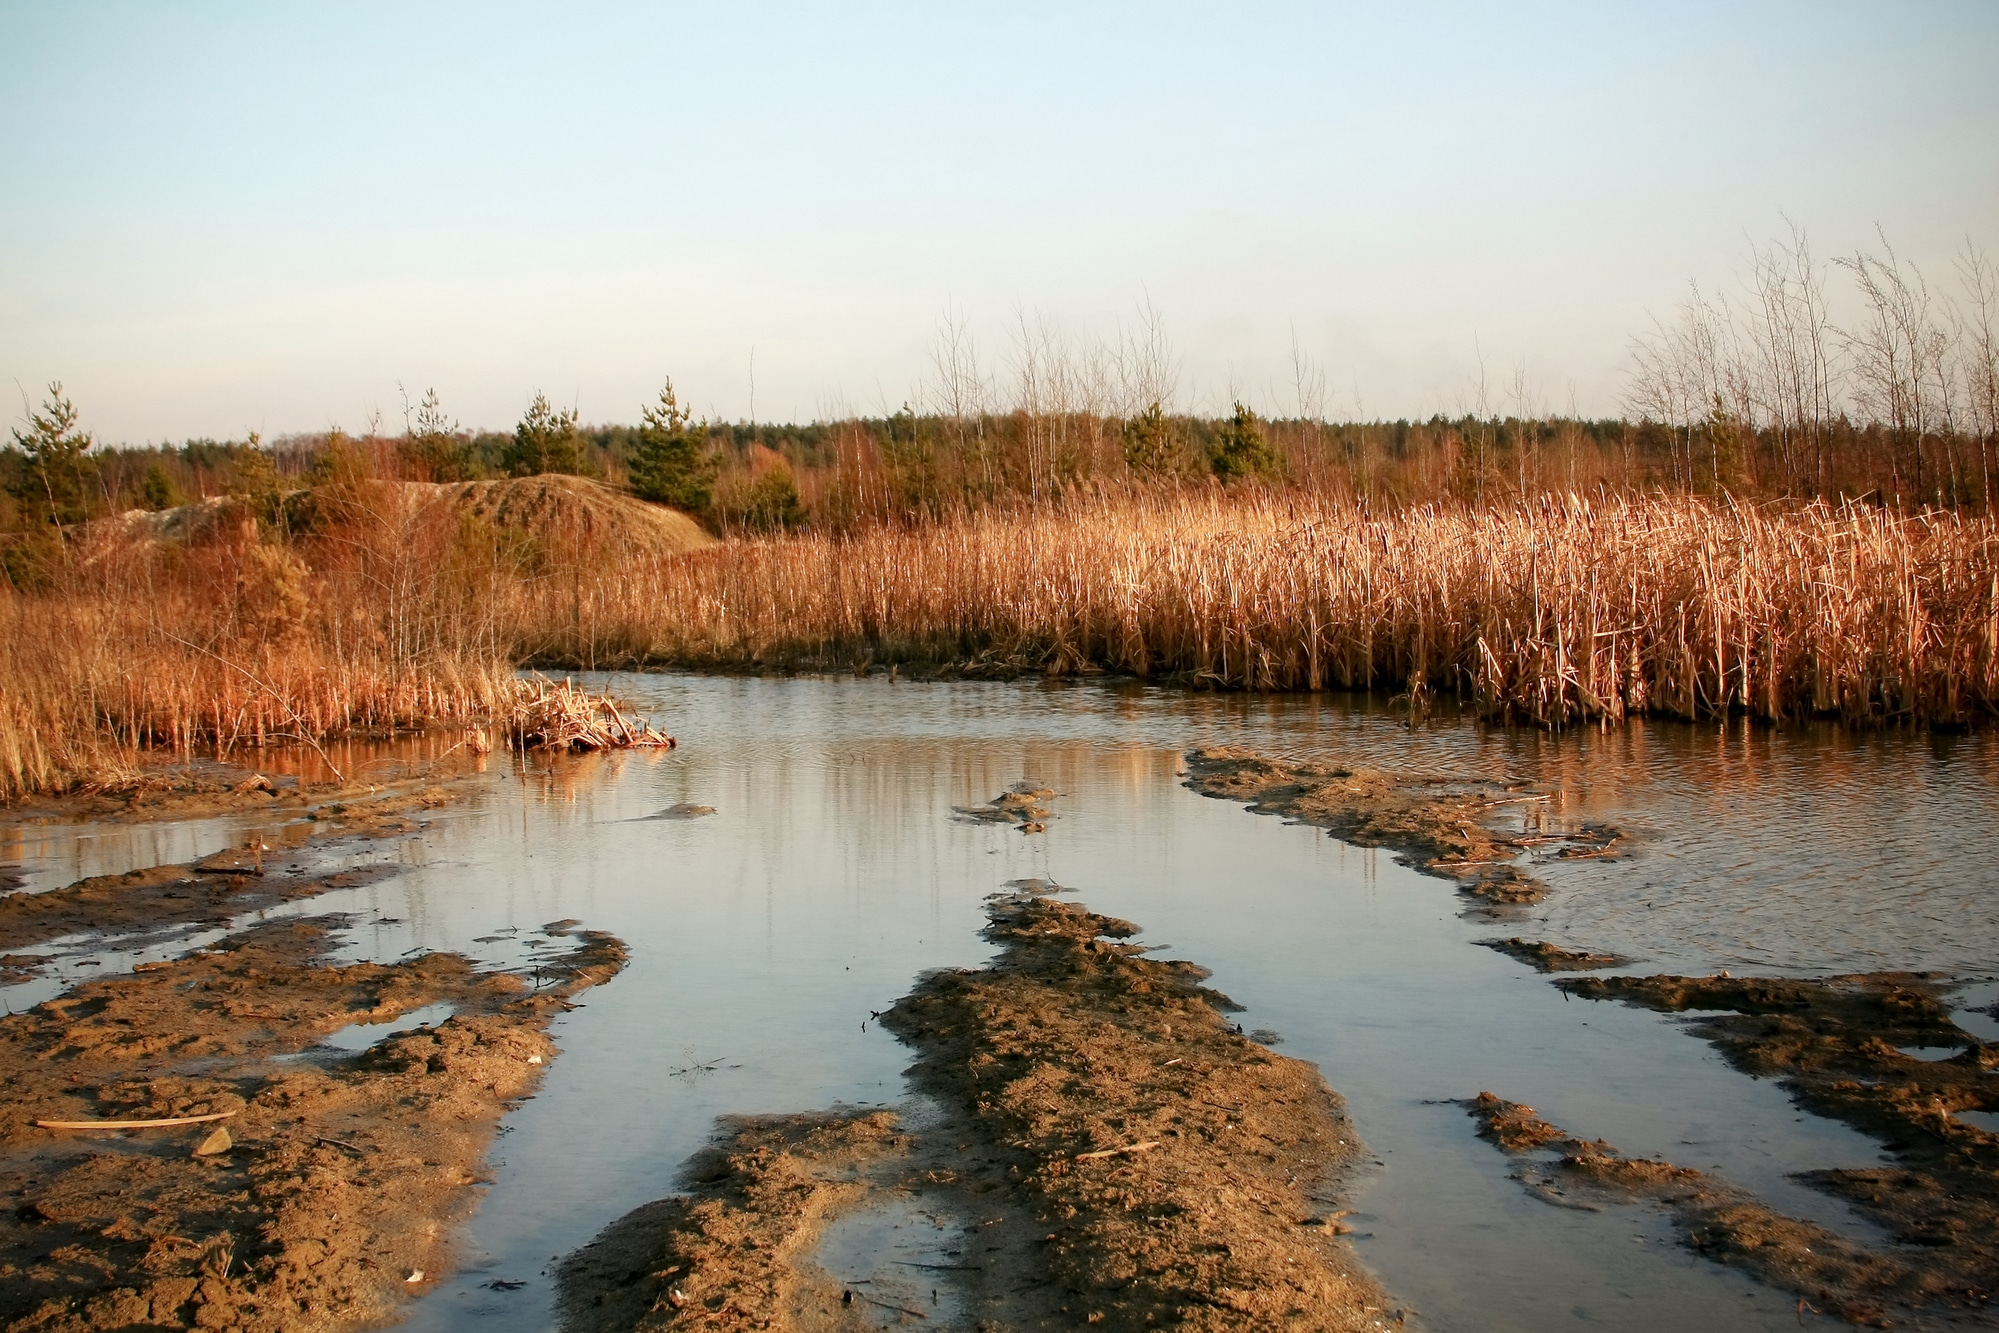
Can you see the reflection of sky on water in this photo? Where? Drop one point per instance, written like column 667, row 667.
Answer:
column 832, row 874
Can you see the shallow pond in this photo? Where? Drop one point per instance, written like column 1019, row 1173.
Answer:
column 833, row 872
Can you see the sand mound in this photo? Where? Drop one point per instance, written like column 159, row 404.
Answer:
column 589, row 512
column 572, row 513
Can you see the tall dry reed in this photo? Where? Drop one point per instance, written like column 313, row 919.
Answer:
column 1556, row 610
column 398, row 612
column 372, row 609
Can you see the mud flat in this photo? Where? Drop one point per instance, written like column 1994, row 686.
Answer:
column 1877, row 1051
column 313, row 1189
column 1436, row 824
column 199, row 1143
column 1118, row 1154
column 218, row 888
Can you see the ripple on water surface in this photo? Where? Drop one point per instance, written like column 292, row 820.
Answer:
column 832, row 873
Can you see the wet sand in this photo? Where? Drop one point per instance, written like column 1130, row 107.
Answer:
column 1437, row 824
column 1128, row 1158
column 269, row 1180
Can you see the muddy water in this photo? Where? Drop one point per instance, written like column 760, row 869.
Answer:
column 832, row 872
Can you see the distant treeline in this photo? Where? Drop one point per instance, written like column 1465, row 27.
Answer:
column 842, row 475
column 1766, row 396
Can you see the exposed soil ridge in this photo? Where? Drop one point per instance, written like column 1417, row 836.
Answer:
column 1132, row 1160
column 1721, row 1221
column 1437, row 824
column 1834, row 1045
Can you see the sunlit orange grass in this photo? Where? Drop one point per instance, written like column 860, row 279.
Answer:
column 1558, row 610
column 91, row 682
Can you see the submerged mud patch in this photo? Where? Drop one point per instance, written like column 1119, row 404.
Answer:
column 1553, row 957
column 1716, row 1219
column 1437, row 824
column 326, row 1188
column 1119, row 1154
column 1835, row 1045
column 1021, row 805
column 220, row 887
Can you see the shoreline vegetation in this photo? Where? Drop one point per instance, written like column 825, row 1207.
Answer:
column 389, row 607
column 1795, row 518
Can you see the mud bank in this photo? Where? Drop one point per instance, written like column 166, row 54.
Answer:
column 1836, row 1045
column 1122, row 1157
column 331, row 1188
column 1726, row 1224
column 219, row 888
column 165, row 790
column 734, row 1252
column 1553, row 957
column 1436, row 824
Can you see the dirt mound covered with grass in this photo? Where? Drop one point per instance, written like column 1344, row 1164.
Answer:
column 577, row 513
column 574, row 514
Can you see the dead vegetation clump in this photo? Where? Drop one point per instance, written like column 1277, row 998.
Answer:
column 329, row 1194
column 546, row 716
column 1836, row 1045
column 1437, row 824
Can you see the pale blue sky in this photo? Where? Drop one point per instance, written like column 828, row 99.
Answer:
column 225, row 217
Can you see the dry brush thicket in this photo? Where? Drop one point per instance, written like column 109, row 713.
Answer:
column 361, row 608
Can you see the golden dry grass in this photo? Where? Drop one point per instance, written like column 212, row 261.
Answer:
column 394, row 610
column 1558, row 610
column 364, row 608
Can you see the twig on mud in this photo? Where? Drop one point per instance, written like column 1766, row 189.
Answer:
column 357, row 1150
column 848, row 1298
column 1102, row 1153
column 168, row 1123
column 942, row 1268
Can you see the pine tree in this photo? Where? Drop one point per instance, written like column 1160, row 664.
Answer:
column 1239, row 450
column 1148, row 446
column 54, row 483
column 545, row 440
column 433, row 447
column 672, row 464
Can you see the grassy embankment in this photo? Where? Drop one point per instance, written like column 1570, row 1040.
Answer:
column 384, row 605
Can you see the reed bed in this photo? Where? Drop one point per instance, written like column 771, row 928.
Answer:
column 244, row 633
column 1555, row 611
